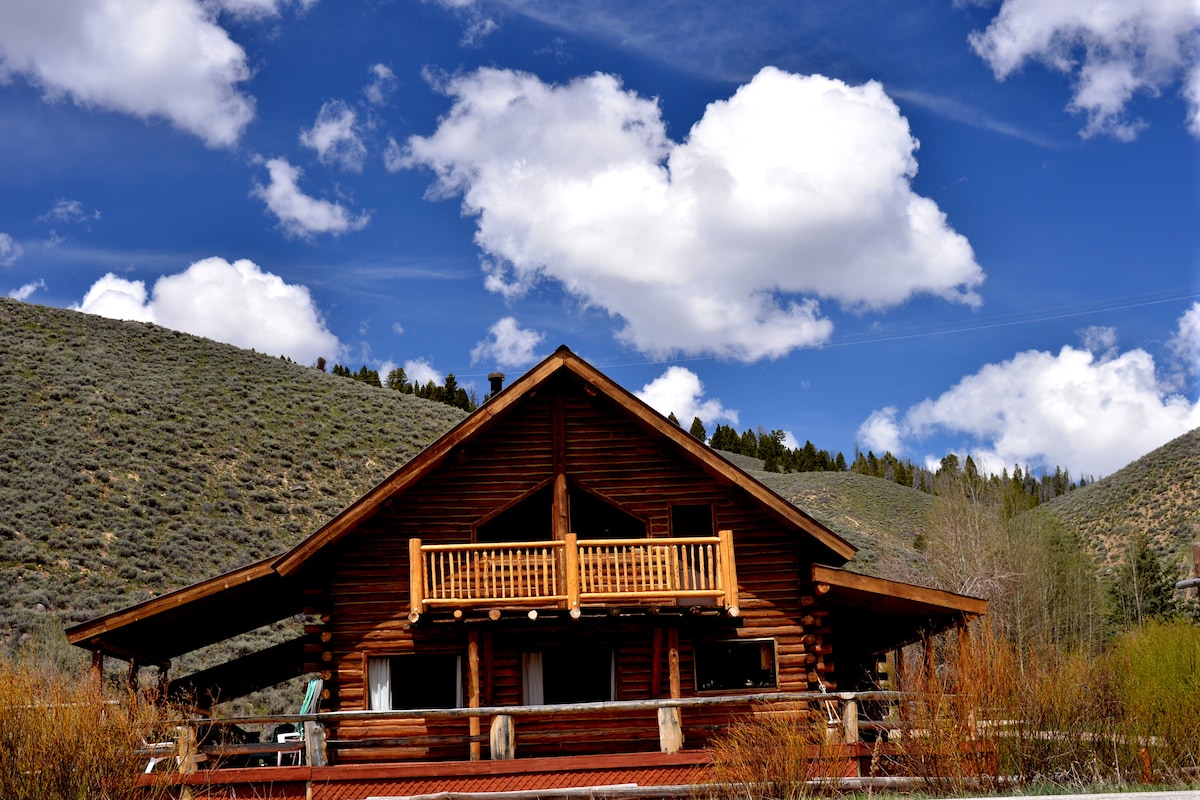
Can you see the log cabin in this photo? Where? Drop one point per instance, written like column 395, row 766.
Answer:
column 565, row 552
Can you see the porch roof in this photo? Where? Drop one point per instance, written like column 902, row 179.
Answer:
column 883, row 614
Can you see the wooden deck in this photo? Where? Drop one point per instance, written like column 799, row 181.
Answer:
column 572, row 573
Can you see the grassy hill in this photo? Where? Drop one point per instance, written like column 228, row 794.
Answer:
column 1158, row 493
column 135, row 459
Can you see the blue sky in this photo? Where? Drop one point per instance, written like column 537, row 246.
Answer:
column 919, row 227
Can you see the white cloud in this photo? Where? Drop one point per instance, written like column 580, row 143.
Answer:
column 508, row 345
column 397, row 329
column 1185, row 343
column 335, row 137
column 477, row 24
column 796, row 188
column 383, row 83
column 68, row 211
column 1071, row 409
column 1112, row 49
column 235, row 303
column 299, row 214
column 421, row 372
column 162, row 59
column 10, row 250
column 258, row 9
column 679, row 391
column 28, row 289
column 881, row 432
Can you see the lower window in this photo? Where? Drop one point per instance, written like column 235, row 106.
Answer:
column 735, row 664
column 569, row 675
column 416, row 680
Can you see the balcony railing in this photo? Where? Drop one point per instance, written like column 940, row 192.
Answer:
column 573, row 573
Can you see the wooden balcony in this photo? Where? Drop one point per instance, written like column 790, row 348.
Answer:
column 573, row 573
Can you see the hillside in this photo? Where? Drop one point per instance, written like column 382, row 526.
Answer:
column 1158, row 493
column 135, row 459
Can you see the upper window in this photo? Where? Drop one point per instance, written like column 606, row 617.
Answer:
column 530, row 519
column 735, row 664
column 692, row 520
column 416, row 680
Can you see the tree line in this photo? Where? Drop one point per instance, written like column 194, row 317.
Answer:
column 448, row 392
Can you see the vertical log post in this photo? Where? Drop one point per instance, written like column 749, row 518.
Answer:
column 185, row 748
column 572, row 559
column 98, row 669
column 729, row 573
column 416, row 580
column 473, row 691
column 503, row 738
column 673, row 662
column 315, row 752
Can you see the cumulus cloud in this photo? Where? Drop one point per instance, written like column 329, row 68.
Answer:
column 397, row 329
column 679, row 391
column 508, row 345
column 155, row 59
column 796, row 189
column 421, row 372
column 383, row 83
column 335, row 137
column 10, row 250
column 299, row 214
column 1071, row 409
column 1111, row 49
column 68, row 211
column 28, row 289
column 235, row 303
column 477, row 24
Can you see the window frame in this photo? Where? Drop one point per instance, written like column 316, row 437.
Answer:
column 697, row 666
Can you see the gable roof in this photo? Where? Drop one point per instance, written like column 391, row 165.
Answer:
column 495, row 409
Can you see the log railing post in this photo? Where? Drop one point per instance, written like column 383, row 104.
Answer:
column 503, row 738
column 416, row 580
column 315, row 752
column 670, row 730
column 729, row 573
column 572, row 576
column 849, row 718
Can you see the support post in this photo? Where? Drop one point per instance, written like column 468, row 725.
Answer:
column 673, row 662
column 315, row 752
column 572, row 559
column 98, row 669
column 670, row 730
column 185, row 748
column 473, row 691
column 503, row 738
column 416, row 580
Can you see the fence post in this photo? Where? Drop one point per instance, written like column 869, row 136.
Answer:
column 670, row 730
column 503, row 738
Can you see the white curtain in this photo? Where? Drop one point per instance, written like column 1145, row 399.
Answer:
column 532, row 686
column 379, row 683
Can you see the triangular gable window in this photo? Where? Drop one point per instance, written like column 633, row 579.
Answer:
column 530, row 518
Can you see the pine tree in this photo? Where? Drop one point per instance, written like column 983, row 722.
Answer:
column 397, row 380
column 1143, row 586
column 674, row 420
column 697, row 430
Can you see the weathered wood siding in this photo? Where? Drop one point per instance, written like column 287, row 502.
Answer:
column 609, row 454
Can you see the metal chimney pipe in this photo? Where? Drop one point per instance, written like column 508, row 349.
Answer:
column 496, row 379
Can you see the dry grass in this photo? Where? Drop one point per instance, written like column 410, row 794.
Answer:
column 62, row 737
column 781, row 756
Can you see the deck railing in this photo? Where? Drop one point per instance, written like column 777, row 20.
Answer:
column 572, row 573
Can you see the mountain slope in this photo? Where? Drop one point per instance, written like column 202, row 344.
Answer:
column 1158, row 493
column 135, row 459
